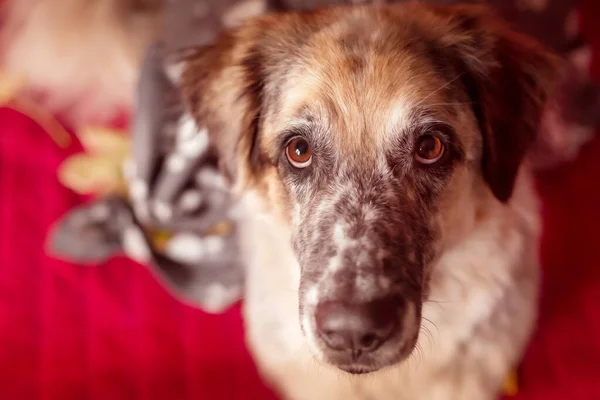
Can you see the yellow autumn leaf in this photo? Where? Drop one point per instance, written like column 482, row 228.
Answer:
column 100, row 169
column 106, row 141
column 85, row 174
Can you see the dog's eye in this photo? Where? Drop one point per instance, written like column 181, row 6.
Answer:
column 299, row 153
column 429, row 149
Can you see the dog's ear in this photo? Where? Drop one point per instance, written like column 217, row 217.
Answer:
column 221, row 86
column 508, row 77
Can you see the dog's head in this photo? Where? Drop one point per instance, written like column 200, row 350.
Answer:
column 371, row 133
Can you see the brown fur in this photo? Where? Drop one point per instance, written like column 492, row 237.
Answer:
column 506, row 76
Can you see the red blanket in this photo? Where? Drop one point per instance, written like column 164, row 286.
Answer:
column 108, row 332
column 111, row 332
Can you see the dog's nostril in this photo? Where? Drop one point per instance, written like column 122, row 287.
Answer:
column 368, row 341
column 356, row 328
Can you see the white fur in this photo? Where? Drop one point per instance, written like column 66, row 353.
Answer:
column 185, row 248
column 190, row 200
column 176, row 163
column 218, row 297
column 162, row 210
column 214, row 244
column 191, row 249
column 342, row 242
column 191, row 141
column 138, row 189
column 134, row 244
column 210, row 178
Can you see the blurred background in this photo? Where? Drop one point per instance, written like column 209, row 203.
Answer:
column 110, row 330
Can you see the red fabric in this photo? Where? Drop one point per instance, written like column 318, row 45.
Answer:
column 108, row 332
column 563, row 361
column 111, row 332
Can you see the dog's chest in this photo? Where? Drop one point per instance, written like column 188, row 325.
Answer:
column 475, row 323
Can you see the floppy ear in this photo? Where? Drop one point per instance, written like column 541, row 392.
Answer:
column 508, row 77
column 221, row 87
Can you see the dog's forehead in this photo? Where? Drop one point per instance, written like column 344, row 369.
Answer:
column 351, row 81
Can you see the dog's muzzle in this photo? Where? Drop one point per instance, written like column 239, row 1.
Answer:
column 364, row 337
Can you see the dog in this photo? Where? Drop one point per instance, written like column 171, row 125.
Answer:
column 389, row 220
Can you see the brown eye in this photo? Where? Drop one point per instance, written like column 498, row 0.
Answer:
column 298, row 153
column 429, row 149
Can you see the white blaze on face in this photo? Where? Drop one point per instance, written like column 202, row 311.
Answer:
column 342, row 242
column 399, row 119
column 340, row 236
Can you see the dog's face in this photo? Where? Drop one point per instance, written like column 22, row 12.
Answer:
column 371, row 133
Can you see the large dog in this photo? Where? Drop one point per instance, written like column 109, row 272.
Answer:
column 389, row 220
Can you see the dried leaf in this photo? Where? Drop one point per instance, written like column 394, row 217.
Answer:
column 109, row 142
column 86, row 174
column 100, row 169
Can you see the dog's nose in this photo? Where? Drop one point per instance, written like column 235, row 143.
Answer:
column 356, row 328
